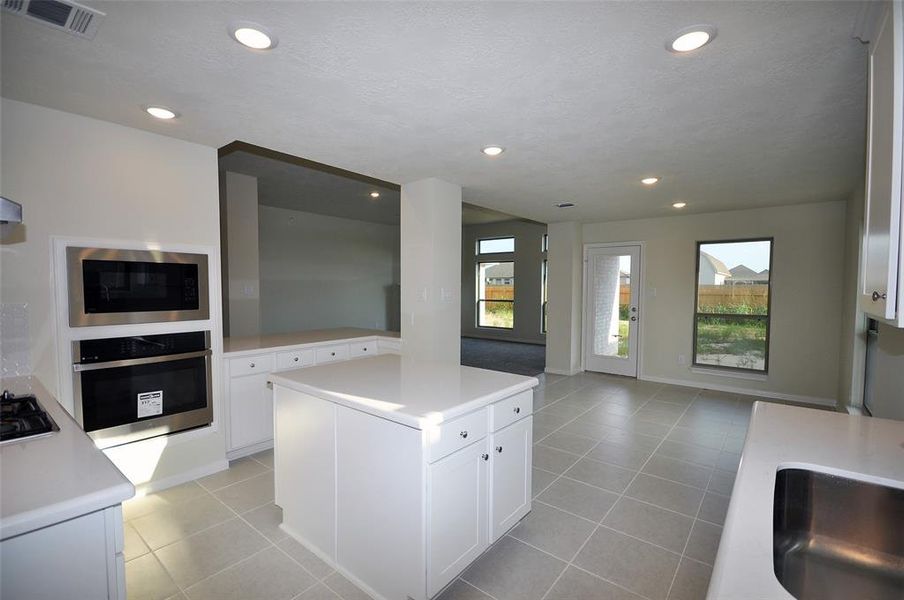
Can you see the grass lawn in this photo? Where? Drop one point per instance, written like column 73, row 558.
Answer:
column 731, row 343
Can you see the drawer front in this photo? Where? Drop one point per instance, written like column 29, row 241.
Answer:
column 387, row 346
column 295, row 359
column 251, row 365
column 505, row 412
column 327, row 354
column 357, row 349
column 448, row 437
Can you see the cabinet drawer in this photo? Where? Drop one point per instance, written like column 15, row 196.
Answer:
column 327, row 354
column 250, row 365
column 357, row 349
column 505, row 412
column 294, row 359
column 446, row 438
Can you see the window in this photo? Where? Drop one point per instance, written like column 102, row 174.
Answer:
column 731, row 319
column 496, row 245
column 496, row 294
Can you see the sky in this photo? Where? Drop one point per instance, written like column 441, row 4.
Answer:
column 751, row 254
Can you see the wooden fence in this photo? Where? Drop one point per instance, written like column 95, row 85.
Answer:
column 500, row 292
column 756, row 295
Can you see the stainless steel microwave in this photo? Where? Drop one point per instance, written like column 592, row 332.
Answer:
column 113, row 287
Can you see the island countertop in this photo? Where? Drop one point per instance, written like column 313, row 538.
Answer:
column 232, row 345
column 47, row 480
column 409, row 391
column 856, row 447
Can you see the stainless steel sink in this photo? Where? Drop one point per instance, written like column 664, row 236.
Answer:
column 835, row 537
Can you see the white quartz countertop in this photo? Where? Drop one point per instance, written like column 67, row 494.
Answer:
column 409, row 391
column 248, row 343
column 47, row 480
column 857, row 447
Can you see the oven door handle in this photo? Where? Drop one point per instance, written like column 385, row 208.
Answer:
column 112, row 364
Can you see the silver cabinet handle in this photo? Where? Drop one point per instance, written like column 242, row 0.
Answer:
column 517, row 410
column 251, row 365
column 463, row 434
column 485, row 456
column 877, row 296
column 499, row 449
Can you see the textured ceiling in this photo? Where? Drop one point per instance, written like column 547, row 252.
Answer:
column 583, row 95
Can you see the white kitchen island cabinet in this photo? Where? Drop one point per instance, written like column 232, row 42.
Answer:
column 400, row 472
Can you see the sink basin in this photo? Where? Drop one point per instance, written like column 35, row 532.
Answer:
column 835, row 537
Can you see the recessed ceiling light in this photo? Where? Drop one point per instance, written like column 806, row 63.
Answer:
column 650, row 180
column 691, row 38
column 161, row 112
column 252, row 35
column 564, row 204
column 493, row 150
column 679, row 204
column 375, row 194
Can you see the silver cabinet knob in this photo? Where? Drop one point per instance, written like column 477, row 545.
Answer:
column 633, row 318
column 365, row 348
column 499, row 449
column 251, row 365
column 877, row 296
column 332, row 354
column 295, row 359
column 517, row 410
column 463, row 434
column 485, row 456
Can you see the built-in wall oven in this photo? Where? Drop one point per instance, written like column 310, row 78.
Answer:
column 131, row 388
column 109, row 286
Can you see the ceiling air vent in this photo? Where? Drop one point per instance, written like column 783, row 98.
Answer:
column 68, row 16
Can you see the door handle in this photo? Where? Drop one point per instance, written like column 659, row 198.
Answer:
column 877, row 296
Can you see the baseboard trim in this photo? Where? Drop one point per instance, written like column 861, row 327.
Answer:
column 567, row 373
column 180, row 478
column 814, row 400
column 249, row 450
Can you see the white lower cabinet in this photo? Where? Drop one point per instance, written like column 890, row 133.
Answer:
column 510, row 476
column 250, row 410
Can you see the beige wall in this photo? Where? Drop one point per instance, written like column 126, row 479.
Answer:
column 528, row 259
column 83, row 178
column 853, row 322
column 806, row 298
column 563, row 338
column 242, row 312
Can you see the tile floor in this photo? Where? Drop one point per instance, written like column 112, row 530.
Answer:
column 631, row 484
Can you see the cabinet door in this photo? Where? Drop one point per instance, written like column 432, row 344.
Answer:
column 457, row 513
column 510, row 479
column 250, row 410
column 882, row 226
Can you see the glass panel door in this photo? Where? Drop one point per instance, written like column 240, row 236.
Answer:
column 611, row 311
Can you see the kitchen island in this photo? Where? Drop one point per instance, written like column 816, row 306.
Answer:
column 400, row 472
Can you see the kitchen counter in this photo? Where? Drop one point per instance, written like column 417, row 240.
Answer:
column 233, row 345
column 856, row 447
column 409, row 391
column 49, row 480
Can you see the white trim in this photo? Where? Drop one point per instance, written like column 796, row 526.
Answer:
column 180, row 478
column 730, row 374
column 815, row 400
column 249, row 450
column 565, row 372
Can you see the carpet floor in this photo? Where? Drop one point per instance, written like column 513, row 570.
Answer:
column 511, row 357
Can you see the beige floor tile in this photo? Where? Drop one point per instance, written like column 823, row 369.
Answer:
column 199, row 556
column 540, row 480
column 691, row 582
column 305, row 558
column 554, row 531
column 706, row 457
column 632, row 439
column 733, row 444
column 704, row 542
column 600, row 474
column 707, row 439
column 575, row 444
column 462, row 590
column 677, row 470
column 179, row 596
column 538, row 432
column 714, row 508
column 267, row 575
column 645, row 428
column 134, row 545
column 265, row 458
column 564, row 410
column 511, row 570
column 721, row 482
column 146, row 579
column 586, row 429
column 345, row 588
column 267, row 519
column 666, row 494
column 318, row 592
column 728, row 461
column 650, row 523
column 552, row 460
column 144, row 505
column 576, row 584
column 628, row 457
column 630, row 563
column 248, row 494
column 579, row 498
column 238, row 470
column 175, row 522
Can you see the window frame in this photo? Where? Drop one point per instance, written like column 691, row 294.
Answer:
column 697, row 314
column 478, row 253
column 478, row 299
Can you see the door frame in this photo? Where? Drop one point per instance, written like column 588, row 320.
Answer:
column 640, row 299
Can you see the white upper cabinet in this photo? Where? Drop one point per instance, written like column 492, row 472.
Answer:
column 882, row 256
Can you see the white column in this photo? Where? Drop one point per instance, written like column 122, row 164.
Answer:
column 563, row 337
column 431, row 270
column 239, row 238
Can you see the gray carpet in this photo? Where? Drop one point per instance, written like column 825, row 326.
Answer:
column 511, row 357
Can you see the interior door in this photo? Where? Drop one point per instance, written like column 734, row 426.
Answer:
column 611, row 309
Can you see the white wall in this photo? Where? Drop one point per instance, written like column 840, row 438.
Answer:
column 80, row 177
column 528, row 258
column 807, row 294
column 318, row 271
column 853, row 322
column 239, row 217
